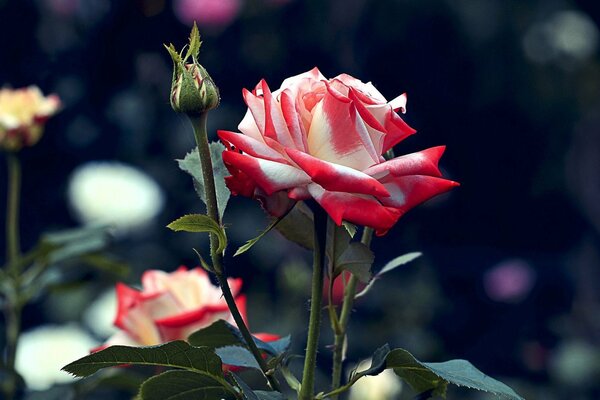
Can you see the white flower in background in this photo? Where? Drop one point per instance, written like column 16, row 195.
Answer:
column 100, row 315
column 564, row 37
column 43, row 351
column 114, row 193
column 385, row 386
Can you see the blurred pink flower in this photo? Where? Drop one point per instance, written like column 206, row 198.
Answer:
column 207, row 13
column 66, row 8
column 509, row 281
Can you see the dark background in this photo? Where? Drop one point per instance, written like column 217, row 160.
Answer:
column 511, row 87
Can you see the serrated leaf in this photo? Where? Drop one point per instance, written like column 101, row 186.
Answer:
column 264, row 395
column 253, row 241
column 200, row 223
column 175, row 56
column 195, row 43
column 435, row 376
column 377, row 361
column 357, row 258
column 237, row 356
column 176, row 354
column 247, row 392
column 391, row 265
column 184, row 385
column 297, row 226
column 222, row 333
column 191, row 164
column 279, row 346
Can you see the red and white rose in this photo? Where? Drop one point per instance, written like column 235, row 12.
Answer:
column 23, row 113
column 324, row 139
column 170, row 306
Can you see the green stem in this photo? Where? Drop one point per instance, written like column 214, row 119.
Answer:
column 12, row 309
column 201, row 136
column 310, row 360
column 340, row 336
column 12, row 211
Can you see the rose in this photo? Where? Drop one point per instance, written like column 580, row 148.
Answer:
column 23, row 113
column 324, row 139
column 171, row 306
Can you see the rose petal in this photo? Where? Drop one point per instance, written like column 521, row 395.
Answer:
column 293, row 121
column 412, row 190
column 275, row 124
column 256, row 108
column 357, row 209
column 251, row 146
column 270, row 176
column 336, row 177
column 334, row 134
column 424, row 162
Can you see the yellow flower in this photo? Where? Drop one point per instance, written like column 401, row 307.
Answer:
column 23, row 113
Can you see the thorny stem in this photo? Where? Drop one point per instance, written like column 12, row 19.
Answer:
column 340, row 336
column 200, row 133
column 310, row 360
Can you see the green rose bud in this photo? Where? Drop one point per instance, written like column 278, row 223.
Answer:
column 192, row 90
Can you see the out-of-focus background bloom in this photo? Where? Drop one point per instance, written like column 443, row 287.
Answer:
column 44, row 350
column 114, row 194
column 510, row 277
column 385, row 386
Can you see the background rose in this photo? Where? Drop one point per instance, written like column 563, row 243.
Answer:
column 170, row 306
column 324, row 139
column 23, row 113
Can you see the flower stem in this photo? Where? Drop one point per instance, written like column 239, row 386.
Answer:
column 310, row 360
column 13, row 247
column 12, row 305
column 340, row 336
column 201, row 136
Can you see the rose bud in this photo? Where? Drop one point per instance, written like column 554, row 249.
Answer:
column 193, row 91
column 23, row 113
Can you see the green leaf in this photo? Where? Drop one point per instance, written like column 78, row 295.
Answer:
column 391, row 265
column 176, row 57
column 297, row 226
column 290, row 378
column 195, row 43
column 252, row 242
column 378, row 363
column 176, row 354
column 264, row 395
column 72, row 243
column 191, row 164
column 200, row 223
column 247, row 392
column 350, row 228
column 436, row 376
column 399, row 261
column 357, row 258
column 184, row 385
column 338, row 240
column 106, row 264
column 237, row 356
column 219, row 334
column 222, row 333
